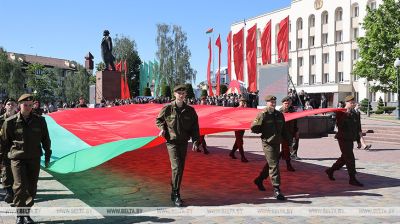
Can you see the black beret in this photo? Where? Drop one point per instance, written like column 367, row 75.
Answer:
column 180, row 88
column 349, row 98
column 9, row 100
column 287, row 98
column 25, row 97
column 270, row 97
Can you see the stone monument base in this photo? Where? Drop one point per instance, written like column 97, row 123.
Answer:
column 108, row 85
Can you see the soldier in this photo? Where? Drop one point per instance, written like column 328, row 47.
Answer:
column 178, row 122
column 82, row 103
column 6, row 174
column 24, row 136
column 239, row 138
column 348, row 131
column 271, row 124
column 291, row 127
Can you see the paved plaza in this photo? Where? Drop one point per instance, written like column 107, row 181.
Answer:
column 141, row 179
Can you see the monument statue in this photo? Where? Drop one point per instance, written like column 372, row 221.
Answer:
column 106, row 51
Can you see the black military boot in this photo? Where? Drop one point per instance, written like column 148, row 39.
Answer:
column 244, row 160
column 205, row 150
column 177, row 199
column 278, row 195
column 330, row 171
column 289, row 166
column 353, row 181
column 232, row 154
column 172, row 196
column 9, row 195
column 20, row 220
column 259, row 182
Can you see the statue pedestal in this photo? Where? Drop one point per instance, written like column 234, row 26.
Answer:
column 108, row 85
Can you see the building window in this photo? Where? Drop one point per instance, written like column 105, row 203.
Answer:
column 325, row 18
column 258, row 52
column 356, row 11
column 299, row 43
column 324, row 38
column 341, row 76
column 312, row 41
column 312, row 21
column 355, row 33
column 339, row 36
column 372, row 5
column 325, row 58
column 300, row 61
column 392, row 97
column 312, row 60
column 356, row 54
column 355, row 77
column 313, row 79
column 299, row 24
column 339, row 15
column 340, row 55
column 300, row 81
column 290, row 45
column 325, row 78
column 290, row 62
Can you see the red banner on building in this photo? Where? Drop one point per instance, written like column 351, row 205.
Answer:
column 283, row 41
column 266, row 44
column 238, row 54
column 229, row 40
column 210, row 92
column 251, row 58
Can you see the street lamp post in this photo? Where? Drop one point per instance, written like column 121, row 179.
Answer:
column 397, row 66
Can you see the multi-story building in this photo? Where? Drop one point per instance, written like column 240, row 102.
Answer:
column 322, row 46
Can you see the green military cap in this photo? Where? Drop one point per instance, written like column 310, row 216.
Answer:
column 269, row 98
column 9, row 100
column 285, row 99
column 25, row 97
column 349, row 98
column 180, row 88
column 242, row 99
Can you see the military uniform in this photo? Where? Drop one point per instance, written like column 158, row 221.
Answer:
column 24, row 139
column 6, row 173
column 271, row 124
column 239, row 141
column 292, row 129
column 348, row 132
column 179, row 124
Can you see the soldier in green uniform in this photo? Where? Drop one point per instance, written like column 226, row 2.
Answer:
column 239, row 137
column 178, row 122
column 271, row 124
column 291, row 127
column 6, row 174
column 348, row 132
column 24, row 136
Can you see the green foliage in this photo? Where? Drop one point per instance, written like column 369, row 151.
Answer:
column 204, row 92
column 125, row 49
column 189, row 90
column 380, row 104
column 100, row 66
column 388, row 110
column 223, row 89
column 380, row 46
column 166, row 91
column 12, row 77
column 42, row 82
column 147, row 91
column 379, row 111
column 77, row 84
column 364, row 105
column 174, row 55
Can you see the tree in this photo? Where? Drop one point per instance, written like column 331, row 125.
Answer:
column 204, row 92
column 125, row 49
column 380, row 104
column 223, row 89
column 12, row 77
column 380, row 46
column 147, row 91
column 43, row 82
column 77, row 84
column 165, row 90
column 189, row 90
column 100, row 66
column 364, row 105
column 173, row 55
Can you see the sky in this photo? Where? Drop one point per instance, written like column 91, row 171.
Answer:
column 70, row 29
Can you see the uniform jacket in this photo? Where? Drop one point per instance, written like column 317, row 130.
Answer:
column 272, row 129
column 348, row 124
column 24, row 139
column 179, row 124
column 291, row 126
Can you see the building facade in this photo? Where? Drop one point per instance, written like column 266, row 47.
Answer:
column 322, row 47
